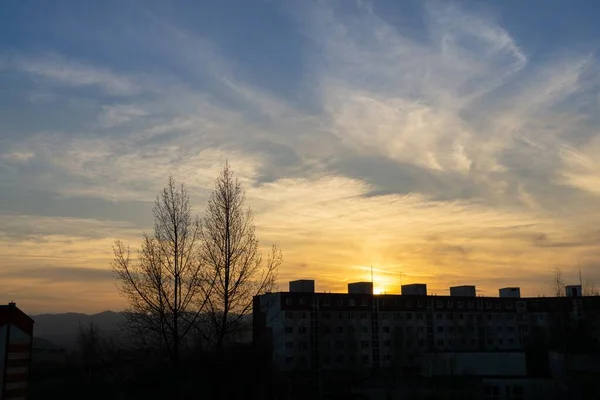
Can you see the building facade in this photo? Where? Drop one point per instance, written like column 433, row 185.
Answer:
column 16, row 335
column 306, row 330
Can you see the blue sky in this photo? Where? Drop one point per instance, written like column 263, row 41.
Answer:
column 450, row 142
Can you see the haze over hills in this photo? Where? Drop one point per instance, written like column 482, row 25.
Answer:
column 62, row 329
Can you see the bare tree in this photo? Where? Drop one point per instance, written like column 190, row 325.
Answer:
column 230, row 251
column 164, row 287
column 589, row 288
column 558, row 284
column 98, row 351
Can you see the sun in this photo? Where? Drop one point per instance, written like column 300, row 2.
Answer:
column 379, row 290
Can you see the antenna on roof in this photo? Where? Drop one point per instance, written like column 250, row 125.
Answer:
column 371, row 274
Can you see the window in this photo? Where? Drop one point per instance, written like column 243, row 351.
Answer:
column 439, row 304
column 302, row 329
column 302, row 301
column 498, row 305
column 409, row 329
column 364, row 302
column 340, row 329
column 384, row 316
column 365, row 359
column 409, row 303
column 289, row 314
column 440, row 316
column 363, row 315
column 303, row 345
column 386, row 329
column 419, row 315
column 440, row 329
column 488, row 304
column 326, row 315
column 341, row 315
column 386, row 357
column 449, row 316
column 339, row 345
column 289, row 329
column 460, row 304
column 421, row 343
column 492, row 393
column 510, row 306
column 351, row 302
column 470, row 304
column 499, row 329
column 518, row 393
column 386, row 343
column 289, row 345
column 397, row 316
column 326, row 359
column 327, row 345
column 365, row 329
column 421, row 329
column 303, row 315
column 461, row 316
column 489, row 317
column 450, row 329
column 450, row 303
column 327, row 330
column 511, row 329
column 351, row 329
column 289, row 360
column 520, row 305
column 382, row 303
column 440, row 342
column 523, row 328
column 510, row 317
column 289, row 301
column 419, row 303
column 408, row 315
column 351, row 315
column 339, row 302
column 364, row 344
column 339, row 358
column 326, row 302
column 500, row 342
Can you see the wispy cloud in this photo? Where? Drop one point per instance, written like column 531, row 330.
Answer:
column 17, row 156
column 77, row 74
column 449, row 155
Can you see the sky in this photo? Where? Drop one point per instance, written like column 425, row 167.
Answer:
column 437, row 142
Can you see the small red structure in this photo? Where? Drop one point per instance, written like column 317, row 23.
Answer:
column 16, row 336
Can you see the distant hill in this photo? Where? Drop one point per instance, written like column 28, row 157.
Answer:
column 62, row 329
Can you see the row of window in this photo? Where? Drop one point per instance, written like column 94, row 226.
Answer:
column 417, row 316
column 411, row 329
column 450, row 303
column 340, row 358
column 409, row 343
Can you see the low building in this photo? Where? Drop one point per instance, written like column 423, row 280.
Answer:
column 16, row 337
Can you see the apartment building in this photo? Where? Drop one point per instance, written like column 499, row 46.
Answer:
column 307, row 330
column 16, row 334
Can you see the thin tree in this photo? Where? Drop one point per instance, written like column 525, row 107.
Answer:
column 558, row 283
column 230, row 251
column 164, row 288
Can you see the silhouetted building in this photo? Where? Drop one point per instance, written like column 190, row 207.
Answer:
column 360, row 331
column 16, row 333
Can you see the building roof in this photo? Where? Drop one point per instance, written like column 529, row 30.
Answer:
column 10, row 313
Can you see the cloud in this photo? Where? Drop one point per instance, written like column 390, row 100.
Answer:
column 18, row 157
column 77, row 74
column 120, row 114
column 451, row 154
